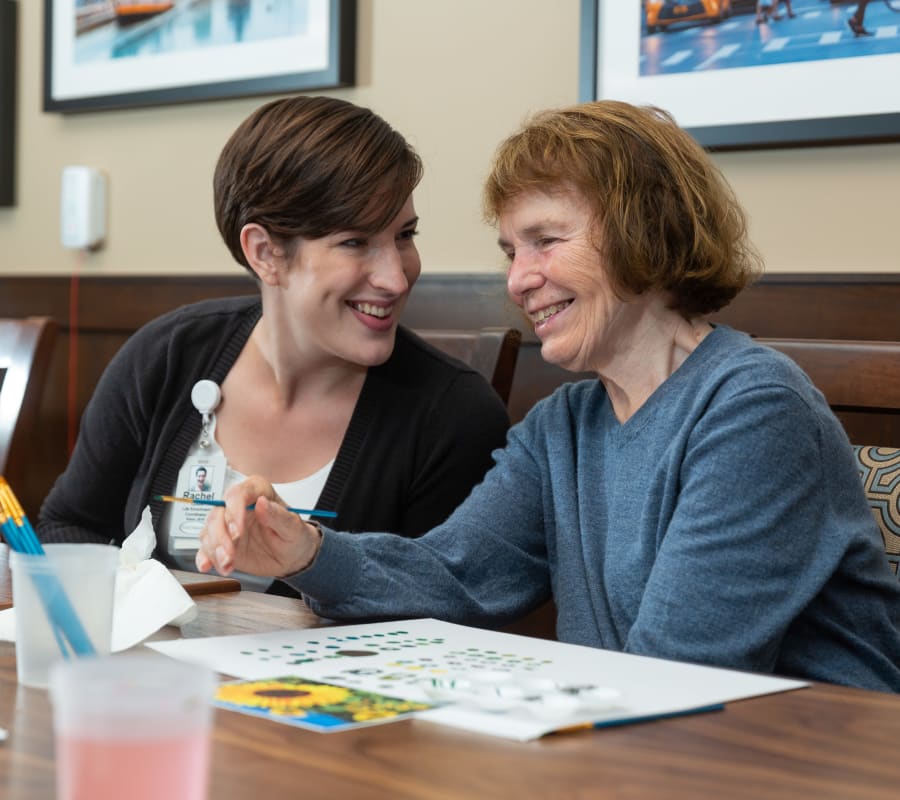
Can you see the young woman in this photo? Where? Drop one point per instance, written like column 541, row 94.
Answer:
column 312, row 383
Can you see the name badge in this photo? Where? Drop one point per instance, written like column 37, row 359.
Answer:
column 201, row 477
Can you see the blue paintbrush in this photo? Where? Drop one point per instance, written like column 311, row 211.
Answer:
column 20, row 536
column 167, row 498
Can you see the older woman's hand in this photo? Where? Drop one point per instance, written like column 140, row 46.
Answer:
column 268, row 540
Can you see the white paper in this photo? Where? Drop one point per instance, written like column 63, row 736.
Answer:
column 398, row 659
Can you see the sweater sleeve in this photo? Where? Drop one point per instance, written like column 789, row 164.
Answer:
column 487, row 564
column 764, row 515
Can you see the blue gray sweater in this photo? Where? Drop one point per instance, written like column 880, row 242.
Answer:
column 723, row 524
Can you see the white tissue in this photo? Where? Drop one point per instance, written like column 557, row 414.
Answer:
column 139, row 545
column 148, row 596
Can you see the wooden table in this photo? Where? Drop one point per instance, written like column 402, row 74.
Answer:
column 821, row 742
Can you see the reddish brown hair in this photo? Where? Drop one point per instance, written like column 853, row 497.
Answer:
column 665, row 216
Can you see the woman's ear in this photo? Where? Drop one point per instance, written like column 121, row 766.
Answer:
column 265, row 258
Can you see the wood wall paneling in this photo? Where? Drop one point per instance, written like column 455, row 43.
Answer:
column 857, row 306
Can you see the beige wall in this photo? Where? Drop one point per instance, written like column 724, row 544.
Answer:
column 455, row 77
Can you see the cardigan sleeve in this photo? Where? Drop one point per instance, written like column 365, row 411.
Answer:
column 465, row 425
column 86, row 503
column 128, row 427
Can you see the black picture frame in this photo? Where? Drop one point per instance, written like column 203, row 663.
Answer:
column 867, row 112
column 8, row 47
column 72, row 86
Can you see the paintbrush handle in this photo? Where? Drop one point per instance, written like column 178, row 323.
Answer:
column 221, row 503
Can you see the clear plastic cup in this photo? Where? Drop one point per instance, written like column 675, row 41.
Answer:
column 64, row 605
column 132, row 726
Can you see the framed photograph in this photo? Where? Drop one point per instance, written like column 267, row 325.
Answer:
column 8, row 42
column 807, row 72
column 101, row 54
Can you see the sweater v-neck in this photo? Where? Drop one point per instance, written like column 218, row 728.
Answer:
column 696, row 359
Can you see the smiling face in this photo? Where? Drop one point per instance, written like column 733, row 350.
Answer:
column 344, row 293
column 556, row 275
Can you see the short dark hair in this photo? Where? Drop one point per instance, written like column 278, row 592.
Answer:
column 308, row 167
column 665, row 217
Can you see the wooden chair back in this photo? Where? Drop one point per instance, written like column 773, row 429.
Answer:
column 860, row 381
column 26, row 347
column 491, row 351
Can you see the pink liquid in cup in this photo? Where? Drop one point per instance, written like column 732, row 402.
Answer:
column 132, row 727
column 136, row 769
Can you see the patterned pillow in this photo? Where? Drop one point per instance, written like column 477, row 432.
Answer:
column 879, row 468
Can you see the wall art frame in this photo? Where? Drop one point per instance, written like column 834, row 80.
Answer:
column 846, row 97
column 125, row 61
column 8, row 58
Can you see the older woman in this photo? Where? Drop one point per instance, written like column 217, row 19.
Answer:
column 311, row 381
column 697, row 502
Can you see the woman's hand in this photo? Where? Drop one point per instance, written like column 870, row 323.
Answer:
column 268, row 540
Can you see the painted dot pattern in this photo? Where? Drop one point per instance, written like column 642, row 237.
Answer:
column 408, row 666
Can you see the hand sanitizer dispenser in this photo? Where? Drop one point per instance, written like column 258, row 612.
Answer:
column 83, row 208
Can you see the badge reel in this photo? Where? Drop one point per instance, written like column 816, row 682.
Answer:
column 202, row 476
column 206, row 397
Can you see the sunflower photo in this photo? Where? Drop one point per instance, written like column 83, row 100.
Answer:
column 311, row 704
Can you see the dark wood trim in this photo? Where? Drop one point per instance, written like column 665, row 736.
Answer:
column 822, row 305
column 117, row 303
column 795, row 306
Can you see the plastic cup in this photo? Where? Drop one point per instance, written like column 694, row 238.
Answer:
column 75, row 583
column 132, row 726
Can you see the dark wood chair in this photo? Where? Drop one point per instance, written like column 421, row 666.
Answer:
column 861, row 382
column 491, row 351
column 26, row 347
